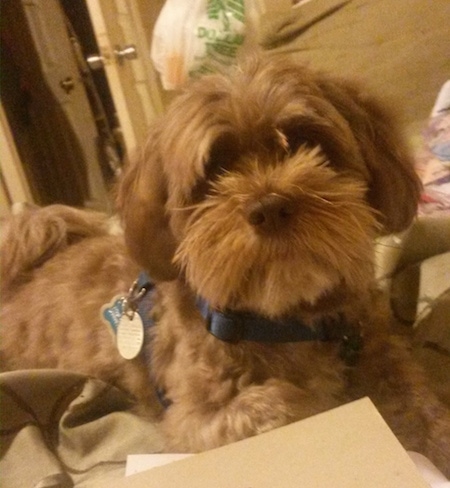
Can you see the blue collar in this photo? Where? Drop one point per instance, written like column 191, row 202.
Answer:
column 229, row 326
column 232, row 326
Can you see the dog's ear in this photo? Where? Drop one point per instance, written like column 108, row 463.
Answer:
column 394, row 187
column 141, row 199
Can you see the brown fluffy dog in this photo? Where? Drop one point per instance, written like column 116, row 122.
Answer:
column 262, row 193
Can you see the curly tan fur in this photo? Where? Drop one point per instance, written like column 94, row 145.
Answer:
column 261, row 191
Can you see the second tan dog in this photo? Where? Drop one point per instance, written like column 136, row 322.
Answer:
column 254, row 207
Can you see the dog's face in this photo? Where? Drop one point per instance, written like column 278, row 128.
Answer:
column 266, row 189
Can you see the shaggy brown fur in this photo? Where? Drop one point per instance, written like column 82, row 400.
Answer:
column 261, row 191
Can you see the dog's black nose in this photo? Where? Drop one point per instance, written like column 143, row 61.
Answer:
column 271, row 212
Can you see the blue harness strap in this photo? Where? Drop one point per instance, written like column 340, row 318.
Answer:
column 144, row 309
column 145, row 302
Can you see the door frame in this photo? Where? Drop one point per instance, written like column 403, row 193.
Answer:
column 14, row 185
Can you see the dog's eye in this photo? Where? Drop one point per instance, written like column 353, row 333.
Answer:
column 221, row 158
column 222, row 155
column 296, row 137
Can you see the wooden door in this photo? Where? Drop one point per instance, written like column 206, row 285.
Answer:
column 123, row 31
column 47, row 106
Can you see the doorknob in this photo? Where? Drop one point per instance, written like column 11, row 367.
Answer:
column 127, row 52
column 95, row 61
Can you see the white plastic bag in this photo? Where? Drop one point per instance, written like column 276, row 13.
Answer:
column 196, row 37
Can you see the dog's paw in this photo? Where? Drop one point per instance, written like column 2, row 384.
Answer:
column 261, row 408
column 254, row 410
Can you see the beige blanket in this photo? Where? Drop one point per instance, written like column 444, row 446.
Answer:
column 399, row 48
column 61, row 429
